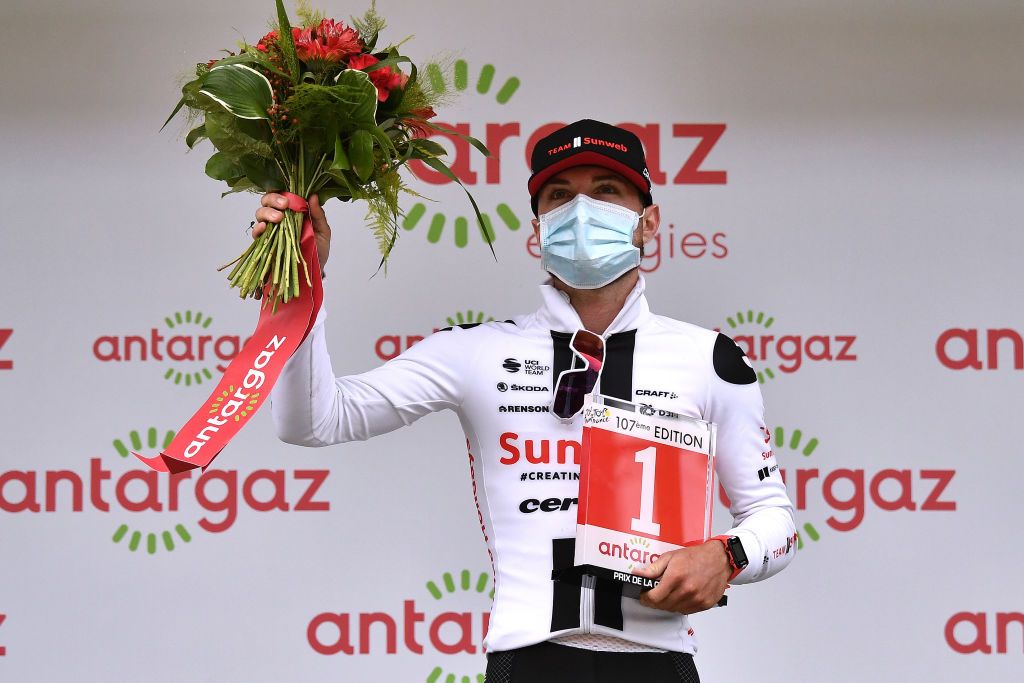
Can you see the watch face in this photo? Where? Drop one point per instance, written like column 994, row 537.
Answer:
column 739, row 556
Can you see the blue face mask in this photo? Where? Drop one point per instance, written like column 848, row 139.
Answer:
column 588, row 243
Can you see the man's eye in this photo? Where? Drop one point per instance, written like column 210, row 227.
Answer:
column 608, row 188
column 558, row 194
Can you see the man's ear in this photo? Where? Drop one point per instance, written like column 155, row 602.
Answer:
column 649, row 223
column 536, row 229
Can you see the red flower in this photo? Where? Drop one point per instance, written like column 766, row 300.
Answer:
column 417, row 124
column 271, row 39
column 327, row 42
column 384, row 79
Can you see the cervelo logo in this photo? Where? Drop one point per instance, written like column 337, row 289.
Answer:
column 509, row 143
column 972, row 349
column 188, row 354
column 389, row 346
column 846, row 495
column 465, row 598
column 156, row 510
column 785, row 353
column 236, row 403
column 968, row 632
column 5, row 335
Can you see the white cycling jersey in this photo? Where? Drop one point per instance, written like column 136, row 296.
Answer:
column 498, row 377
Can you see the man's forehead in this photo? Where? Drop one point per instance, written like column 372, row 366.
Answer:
column 586, row 174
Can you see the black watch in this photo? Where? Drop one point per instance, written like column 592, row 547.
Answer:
column 737, row 555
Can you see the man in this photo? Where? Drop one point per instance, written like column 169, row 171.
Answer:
column 591, row 192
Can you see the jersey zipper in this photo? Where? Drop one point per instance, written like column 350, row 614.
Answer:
column 587, row 603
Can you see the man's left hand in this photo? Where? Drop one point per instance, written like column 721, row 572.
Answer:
column 692, row 579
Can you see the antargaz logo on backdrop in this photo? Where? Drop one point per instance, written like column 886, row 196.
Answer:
column 846, row 495
column 972, row 349
column 448, row 632
column 5, row 364
column 389, row 346
column 154, row 511
column 184, row 350
column 784, row 353
column 684, row 168
column 968, row 633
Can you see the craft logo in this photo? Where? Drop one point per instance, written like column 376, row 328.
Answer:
column 186, row 353
column 157, row 510
column 389, row 346
column 781, row 354
column 460, row 629
column 686, row 148
column 969, row 633
column 845, row 495
column 973, row 349
column 5, row 335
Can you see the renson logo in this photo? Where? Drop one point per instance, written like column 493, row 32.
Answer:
column 973, row 349
column 454, row 622
column 186, row 353
column 785, row 353
column 844, row 496
column 389, row 346
column 676, row 155
column 154, row 511
column 969, row 633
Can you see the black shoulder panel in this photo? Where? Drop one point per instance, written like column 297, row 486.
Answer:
column 731, row 364
column 469, row 326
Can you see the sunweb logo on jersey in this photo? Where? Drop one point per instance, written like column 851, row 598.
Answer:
column 779, row 354
column 686, row 147
column 183, row 347
column 450, row 619
column 389, row 346
column 153, row 513
column 838, row 499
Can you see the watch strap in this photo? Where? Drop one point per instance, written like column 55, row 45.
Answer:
column 736, row 566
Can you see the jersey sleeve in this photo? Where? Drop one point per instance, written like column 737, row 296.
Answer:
column 746, row 465
column 312, row 407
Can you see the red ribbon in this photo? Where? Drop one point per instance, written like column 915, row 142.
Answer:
column 247, row 382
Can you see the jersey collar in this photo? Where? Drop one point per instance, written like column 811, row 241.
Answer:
column 557, row 313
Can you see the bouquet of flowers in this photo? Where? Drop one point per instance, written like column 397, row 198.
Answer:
column 317, row 108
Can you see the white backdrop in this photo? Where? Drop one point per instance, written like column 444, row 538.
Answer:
column 872, row 168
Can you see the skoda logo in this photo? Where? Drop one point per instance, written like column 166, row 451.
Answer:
column 512, row 365
column 502, row 387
